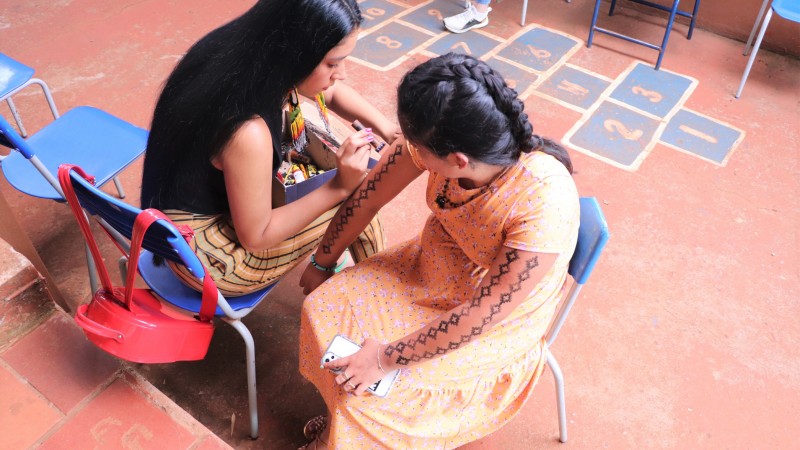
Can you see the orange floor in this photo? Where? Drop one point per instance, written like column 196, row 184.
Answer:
column 685, row 337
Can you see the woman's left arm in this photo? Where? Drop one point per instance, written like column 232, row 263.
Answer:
column 511, row 279
column 350, row 105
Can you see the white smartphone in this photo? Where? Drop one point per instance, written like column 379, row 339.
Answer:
column 340, row 347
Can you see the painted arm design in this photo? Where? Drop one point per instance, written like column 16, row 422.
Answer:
column 513, row 276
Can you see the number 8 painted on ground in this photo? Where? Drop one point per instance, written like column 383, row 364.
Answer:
column 387, row 41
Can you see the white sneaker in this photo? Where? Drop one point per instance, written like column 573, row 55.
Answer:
column 467, row 20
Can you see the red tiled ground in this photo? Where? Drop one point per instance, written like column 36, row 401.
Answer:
column 120, row 416
column 26, row 415
column 684, row 338
column 60, row 363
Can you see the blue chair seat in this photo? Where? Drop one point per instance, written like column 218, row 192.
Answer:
column 20, row 74
column 97, row 141
column 170, row 288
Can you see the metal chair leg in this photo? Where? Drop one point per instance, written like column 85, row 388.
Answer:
column 594, row 22
column 562, row 407
column 17, row 119
column 93, row 284
column 524, row 12
column 755, row 27
column 47, row 95
column 663, row 48
column 250, row 355
column 119, row 187
column 755, row 51
column 694, row 19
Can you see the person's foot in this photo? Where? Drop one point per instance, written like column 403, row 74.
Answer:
column 469, row 19
column 315, row 427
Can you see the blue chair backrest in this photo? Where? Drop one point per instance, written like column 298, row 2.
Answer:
column 162, row 238
column 11, row 139
column 592, row 237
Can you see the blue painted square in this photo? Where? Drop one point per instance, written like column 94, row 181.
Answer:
column 388, row 44
column 616, row 133
column 574, row 86
column 430, row 16
column 654, row 91
column 516, row 78
column 539, row 49
column 701, row 136
column 473, row 44
column 376, row 12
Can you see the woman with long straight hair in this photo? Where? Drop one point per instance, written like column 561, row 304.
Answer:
column 218, row 137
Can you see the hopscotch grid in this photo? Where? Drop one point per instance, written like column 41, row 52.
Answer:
column 543, row 76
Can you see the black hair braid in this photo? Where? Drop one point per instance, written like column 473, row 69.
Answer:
column 456, row 103
column 507, row 102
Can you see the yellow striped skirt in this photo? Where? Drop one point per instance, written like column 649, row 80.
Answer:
column 238, row 271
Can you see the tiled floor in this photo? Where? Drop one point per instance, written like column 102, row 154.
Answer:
column 685, row 337
column 58, row 391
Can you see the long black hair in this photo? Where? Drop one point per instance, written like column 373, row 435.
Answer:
column 456, row 103
column 242, row 69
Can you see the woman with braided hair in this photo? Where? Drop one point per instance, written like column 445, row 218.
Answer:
column 461, row 309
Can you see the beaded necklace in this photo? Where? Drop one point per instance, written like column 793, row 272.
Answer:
column 442, row 200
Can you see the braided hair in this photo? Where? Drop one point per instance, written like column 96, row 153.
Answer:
column 456, row 103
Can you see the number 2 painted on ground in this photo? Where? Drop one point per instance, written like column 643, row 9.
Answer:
column 612, row 125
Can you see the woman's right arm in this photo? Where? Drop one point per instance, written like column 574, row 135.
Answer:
column 394, row 171
column 246, row 162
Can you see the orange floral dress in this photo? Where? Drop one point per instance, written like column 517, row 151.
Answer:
column 473, row 391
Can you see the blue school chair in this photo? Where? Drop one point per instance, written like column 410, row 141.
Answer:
column 164, row 240
column 592, row 238
column 673, row 11
column 14, row 77
column 788, row 9
column 86, row 136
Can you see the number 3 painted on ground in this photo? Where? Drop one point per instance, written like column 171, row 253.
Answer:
column 653, row 96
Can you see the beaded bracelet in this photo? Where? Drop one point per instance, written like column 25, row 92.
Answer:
column 328, row 269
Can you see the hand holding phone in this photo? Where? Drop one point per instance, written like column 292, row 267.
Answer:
column 340, row 347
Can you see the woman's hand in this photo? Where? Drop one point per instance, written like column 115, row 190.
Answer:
column 352, row 159
column 359, row 370
column 312, row 278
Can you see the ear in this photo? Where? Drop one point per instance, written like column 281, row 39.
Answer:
column 459, row 159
